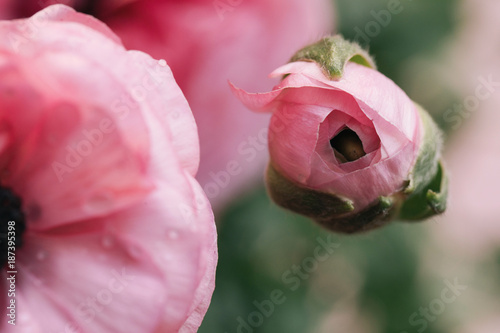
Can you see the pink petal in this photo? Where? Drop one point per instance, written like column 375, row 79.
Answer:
column 85, row 76
column 148, row 84
column 39, row 136
column 208, row 264
column 25, row 322
column 62, row 13
column 258, row 102
column 85, row 280
column 179, row 235
column 41, row 148
column 167, row 102
column 295, row 127
column 384, row 177
column 88, row 174
column 133, row 83
column 383, row 97
column 307, row 68
column 15, row 94
column 309, row 77
column 291, row 147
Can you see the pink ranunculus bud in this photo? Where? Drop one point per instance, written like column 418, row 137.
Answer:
column 110, row 230
column 348, row 147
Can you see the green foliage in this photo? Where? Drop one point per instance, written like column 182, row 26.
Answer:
column 259, row 242
column 419, row 28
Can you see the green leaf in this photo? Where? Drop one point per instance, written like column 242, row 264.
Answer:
column 331, row 211
column 332, row 54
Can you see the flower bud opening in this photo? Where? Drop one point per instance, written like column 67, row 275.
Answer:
column 347, row 146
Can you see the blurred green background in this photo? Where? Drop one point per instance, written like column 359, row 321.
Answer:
column 379, row 282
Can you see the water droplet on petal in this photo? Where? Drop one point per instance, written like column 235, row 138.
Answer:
column 162, row 62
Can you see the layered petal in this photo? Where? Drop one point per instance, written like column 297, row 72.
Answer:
column 101, row 146
column 179, row 235
column 363, row 100
column 382, row 97
column 83, row 280
column 74, row 126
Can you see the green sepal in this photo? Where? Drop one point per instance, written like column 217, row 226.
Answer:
column 426, row 164
column 329, row 210
column 332, row 54
column 429, row 201
column 302, row 200
column 372, row 217
column 427, row 189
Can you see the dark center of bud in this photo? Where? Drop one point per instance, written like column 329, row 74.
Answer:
column 12, row 224
column 347, row 146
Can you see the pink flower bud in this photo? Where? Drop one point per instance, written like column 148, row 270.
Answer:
column 355, row 138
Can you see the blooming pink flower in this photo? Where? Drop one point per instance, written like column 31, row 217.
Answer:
column 348, row 148
column 206, row 43
column 100, row 146
column 310, row 112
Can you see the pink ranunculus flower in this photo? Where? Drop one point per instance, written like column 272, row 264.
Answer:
column 206, row 42
column 357, row 137
column 99, row 145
